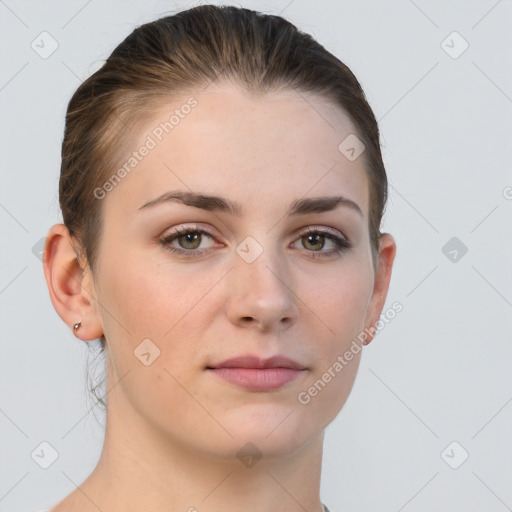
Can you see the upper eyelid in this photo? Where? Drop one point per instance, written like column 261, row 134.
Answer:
column 326, row 231
column 213, row 231
column 323, row 230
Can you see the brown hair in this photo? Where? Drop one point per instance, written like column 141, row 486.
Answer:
column 187, row 50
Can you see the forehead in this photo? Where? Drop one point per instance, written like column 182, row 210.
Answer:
column 225, row 140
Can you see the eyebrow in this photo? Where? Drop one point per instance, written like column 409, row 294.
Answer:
column 220, row 204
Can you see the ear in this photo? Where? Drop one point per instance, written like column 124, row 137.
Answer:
column 387, row 251
column 70, row 284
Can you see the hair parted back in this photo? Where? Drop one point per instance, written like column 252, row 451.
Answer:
column 185, row 51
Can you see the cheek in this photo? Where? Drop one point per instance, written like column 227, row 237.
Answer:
column 148, row 297
column 342, row 306
column 344, row 301
column 342, row 309
column 144, row 300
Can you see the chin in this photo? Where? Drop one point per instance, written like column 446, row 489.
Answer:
column 274, row 431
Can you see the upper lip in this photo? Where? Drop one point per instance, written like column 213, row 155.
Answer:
column 250, row 361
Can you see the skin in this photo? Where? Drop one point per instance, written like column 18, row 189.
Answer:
column 173, row 430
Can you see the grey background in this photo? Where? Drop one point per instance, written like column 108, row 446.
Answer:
column 439, row 372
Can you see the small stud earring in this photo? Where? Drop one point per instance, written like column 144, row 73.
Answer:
column 77, row 326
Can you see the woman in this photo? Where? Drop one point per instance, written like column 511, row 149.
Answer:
column 222, row 191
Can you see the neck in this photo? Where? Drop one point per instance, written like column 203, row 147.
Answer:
column 141, row 469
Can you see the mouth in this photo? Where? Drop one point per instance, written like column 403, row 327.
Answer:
column 256, row 374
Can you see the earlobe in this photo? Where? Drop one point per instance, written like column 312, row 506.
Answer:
column 387, row 252
column 68, row 284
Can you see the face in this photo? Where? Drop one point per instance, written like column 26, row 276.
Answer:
column 266, row 271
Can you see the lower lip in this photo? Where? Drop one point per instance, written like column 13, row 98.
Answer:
column 257, row 379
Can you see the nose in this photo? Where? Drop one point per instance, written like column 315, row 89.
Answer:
column 260, row 294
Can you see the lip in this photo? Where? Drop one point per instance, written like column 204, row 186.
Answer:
column 250, row 361
column 256, row 374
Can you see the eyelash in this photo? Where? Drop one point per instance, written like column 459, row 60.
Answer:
column 342, row 244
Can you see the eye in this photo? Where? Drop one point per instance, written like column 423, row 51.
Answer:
column 188, row 240
column 314, row 239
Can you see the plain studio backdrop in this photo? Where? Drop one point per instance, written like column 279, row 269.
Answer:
column 428, row 423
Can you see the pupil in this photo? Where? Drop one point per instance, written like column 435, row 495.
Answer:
column 190, row 238
column 315, row 237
